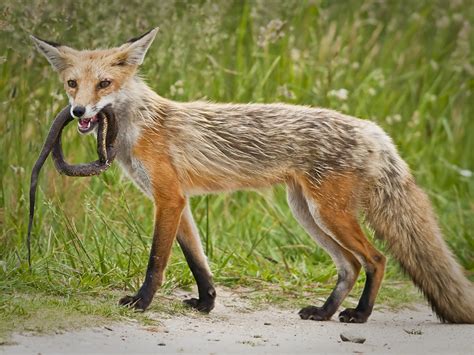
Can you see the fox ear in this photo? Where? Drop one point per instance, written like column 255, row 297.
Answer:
column 136, row 48
column 54, row 52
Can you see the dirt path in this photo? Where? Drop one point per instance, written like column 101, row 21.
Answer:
column 234, row 328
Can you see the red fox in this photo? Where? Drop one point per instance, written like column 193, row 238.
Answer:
column 336, row 168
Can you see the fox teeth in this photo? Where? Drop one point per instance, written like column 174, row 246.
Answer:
column 82, row 126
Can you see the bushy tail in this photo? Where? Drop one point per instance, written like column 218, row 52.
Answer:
column 401, row 214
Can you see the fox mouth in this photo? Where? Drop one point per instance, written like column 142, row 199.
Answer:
column 87, row 125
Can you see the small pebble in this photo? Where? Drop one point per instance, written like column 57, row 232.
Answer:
column 352, row 338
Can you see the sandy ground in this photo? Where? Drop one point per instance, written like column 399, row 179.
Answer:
column 235, row 328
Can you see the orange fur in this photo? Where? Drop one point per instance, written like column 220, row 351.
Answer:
column 168, row 199
column 336, row 200
column 88, row 68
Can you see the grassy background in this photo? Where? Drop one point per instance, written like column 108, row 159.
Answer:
column 407, row 65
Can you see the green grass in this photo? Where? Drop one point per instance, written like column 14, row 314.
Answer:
column 408, row 65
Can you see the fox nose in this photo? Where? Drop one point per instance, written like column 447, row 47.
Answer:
column 78, row 111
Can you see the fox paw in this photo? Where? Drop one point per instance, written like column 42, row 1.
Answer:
column 136, row 302
column 204, row 306
column 351, row 315
column 314, row 313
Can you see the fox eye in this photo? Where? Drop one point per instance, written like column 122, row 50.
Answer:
column 72, row 83
column 104, row 83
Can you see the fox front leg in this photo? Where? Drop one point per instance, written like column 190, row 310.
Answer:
column 169, row 203
column 166, row 224
column 190, row 243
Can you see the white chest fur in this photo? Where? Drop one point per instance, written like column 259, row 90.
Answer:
column 130, row 164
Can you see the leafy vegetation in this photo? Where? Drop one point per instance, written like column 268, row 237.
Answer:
column 407, row 65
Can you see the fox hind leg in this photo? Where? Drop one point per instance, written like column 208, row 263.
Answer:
column 334, row 206
column 190, row 243
column 347, row 265
column 374, row 265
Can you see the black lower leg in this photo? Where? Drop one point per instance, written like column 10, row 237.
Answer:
column 207, row 292
column 361, row 313
column 332, row 303
column 144, row 296
column 364, row 304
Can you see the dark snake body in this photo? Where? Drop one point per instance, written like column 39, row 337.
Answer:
column 106, row 136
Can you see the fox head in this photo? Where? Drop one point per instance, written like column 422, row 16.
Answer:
column 93, row 77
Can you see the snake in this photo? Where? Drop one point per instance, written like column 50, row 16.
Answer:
column 106, row 151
